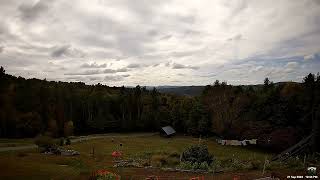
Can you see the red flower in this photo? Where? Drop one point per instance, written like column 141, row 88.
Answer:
column 104, row 172
column 116, row 154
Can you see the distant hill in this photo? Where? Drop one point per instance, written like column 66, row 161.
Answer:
column 181, row 90
column 197, row 90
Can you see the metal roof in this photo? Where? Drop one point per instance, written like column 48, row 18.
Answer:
column 168, row 130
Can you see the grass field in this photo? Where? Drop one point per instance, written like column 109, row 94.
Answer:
column 33, row 165
column 15, row 142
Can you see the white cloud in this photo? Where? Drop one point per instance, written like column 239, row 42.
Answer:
column 309, row 57
column 201, row 39
column 291, row 65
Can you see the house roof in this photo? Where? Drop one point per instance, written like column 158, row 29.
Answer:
column 168, row 130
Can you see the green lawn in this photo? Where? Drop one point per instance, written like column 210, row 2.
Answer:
column 27, row 164
column 15, row 142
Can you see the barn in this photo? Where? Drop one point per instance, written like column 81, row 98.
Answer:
column 167, row 131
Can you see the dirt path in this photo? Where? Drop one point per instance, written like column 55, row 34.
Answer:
column 77, row 139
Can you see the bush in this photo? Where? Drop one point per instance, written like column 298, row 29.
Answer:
column 159, row 160
column 232, row 164
column 203, row 166
column 217, row 165
column 174, row 155
column 256, row 164
column 45, row 142
column 239, row 165
column 165, row 159
column 197, row 154
column 172, row 161
column 294, row 163
column 186, row 165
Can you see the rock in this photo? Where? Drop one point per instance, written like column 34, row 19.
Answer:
column 63, row 152
column 69, row 153
column 48, row 153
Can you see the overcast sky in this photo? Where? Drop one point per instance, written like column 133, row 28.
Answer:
column 160, row 42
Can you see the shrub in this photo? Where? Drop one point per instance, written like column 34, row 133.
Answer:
column 294, row 163
column 203, row 166
column 45, row 142
column 159, row 160
column 186, row 165
column 194, row 166
column 172, row 161
column 197, row 154
column 234, row 164
column 256, row 164
column 217, row 165
column 174, row 155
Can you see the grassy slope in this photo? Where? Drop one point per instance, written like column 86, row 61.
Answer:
column 15, row 165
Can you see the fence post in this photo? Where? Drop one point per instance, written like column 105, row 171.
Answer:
column 264, row 166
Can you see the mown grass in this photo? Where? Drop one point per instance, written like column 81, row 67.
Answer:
column 15, row 142
column 27, row 164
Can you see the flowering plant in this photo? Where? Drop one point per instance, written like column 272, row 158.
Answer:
column 103, row 174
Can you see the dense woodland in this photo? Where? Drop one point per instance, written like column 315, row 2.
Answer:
column 29, row 107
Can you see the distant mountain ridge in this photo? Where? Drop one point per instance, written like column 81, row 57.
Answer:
column 197, row 90
column 181, row 90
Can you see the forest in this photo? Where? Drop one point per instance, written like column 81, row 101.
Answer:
column 29, row 107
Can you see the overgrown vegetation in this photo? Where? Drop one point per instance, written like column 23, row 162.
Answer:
column 197, row 154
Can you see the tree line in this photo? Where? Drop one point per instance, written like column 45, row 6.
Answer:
column 31, row 106
column 271, row 110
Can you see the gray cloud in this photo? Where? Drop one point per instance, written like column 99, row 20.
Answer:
column 109, row 71
column 235, row 38
column 94, row 78
column 98, row 71
column 181, row 66
column 66, row 51
column 1, row 49
column 30, row 12
column 87, row 72
column 166, row 37
column 122, row 70
column 155, row 65
column 189, row 19
column 115, row 78
column 143, row 35
column 134, row 65
column 60, row 51
column 93, row 65
column 152, row 32
column 237, row 7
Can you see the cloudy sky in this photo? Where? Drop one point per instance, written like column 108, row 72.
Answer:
column 160, row 42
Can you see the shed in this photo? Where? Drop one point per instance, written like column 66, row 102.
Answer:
column 167, row 131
